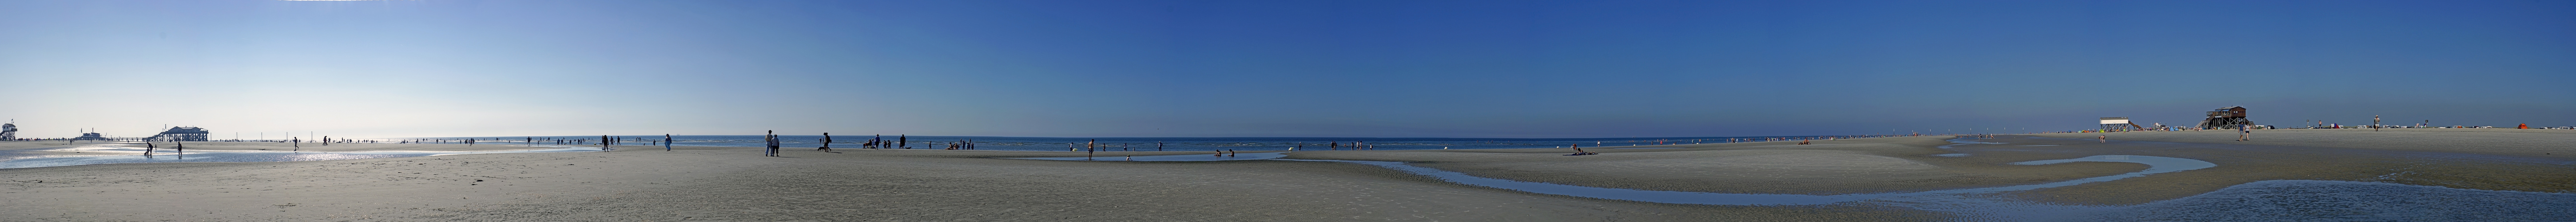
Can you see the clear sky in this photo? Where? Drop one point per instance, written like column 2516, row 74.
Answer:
column 1376, row 68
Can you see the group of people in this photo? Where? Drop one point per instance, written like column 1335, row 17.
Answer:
column 1578, row 151
column 771, row 143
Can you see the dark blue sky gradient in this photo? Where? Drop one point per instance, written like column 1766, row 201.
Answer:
column 1552, row 69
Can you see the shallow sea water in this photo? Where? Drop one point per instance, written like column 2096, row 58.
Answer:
column 118, row 153
column 1184, row 157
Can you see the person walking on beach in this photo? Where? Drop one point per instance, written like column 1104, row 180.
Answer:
column 666, row 142
column 2242, row 133
column 147, row 149
column 902, row 140
column 827, row 143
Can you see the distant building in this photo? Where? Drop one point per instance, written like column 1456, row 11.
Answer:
column 2110, row 124
column 8, row 131
column 90, row 136
column 184, row 133
column 2225, row 118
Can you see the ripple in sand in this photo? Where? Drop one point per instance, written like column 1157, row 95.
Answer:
column 1187, row 157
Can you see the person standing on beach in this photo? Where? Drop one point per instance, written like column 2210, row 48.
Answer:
column 904, row 141
column 147, row 149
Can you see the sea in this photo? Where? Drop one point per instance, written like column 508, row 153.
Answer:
column 1118, row 143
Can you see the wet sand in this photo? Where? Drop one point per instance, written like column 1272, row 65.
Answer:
column 732, row 183
column 1873, row 165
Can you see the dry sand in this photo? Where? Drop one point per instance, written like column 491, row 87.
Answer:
column 716, row 183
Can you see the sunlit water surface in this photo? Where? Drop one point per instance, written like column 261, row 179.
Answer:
column 121, row 153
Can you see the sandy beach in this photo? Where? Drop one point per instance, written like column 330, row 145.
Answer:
column 639, row 183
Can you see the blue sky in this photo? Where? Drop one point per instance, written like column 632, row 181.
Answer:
column 1269, row 68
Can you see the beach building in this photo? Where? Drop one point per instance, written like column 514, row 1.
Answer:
column 8, row 131
column 90, row 136
column 2225, row 118
column 2113, row 124
column 184, row 133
